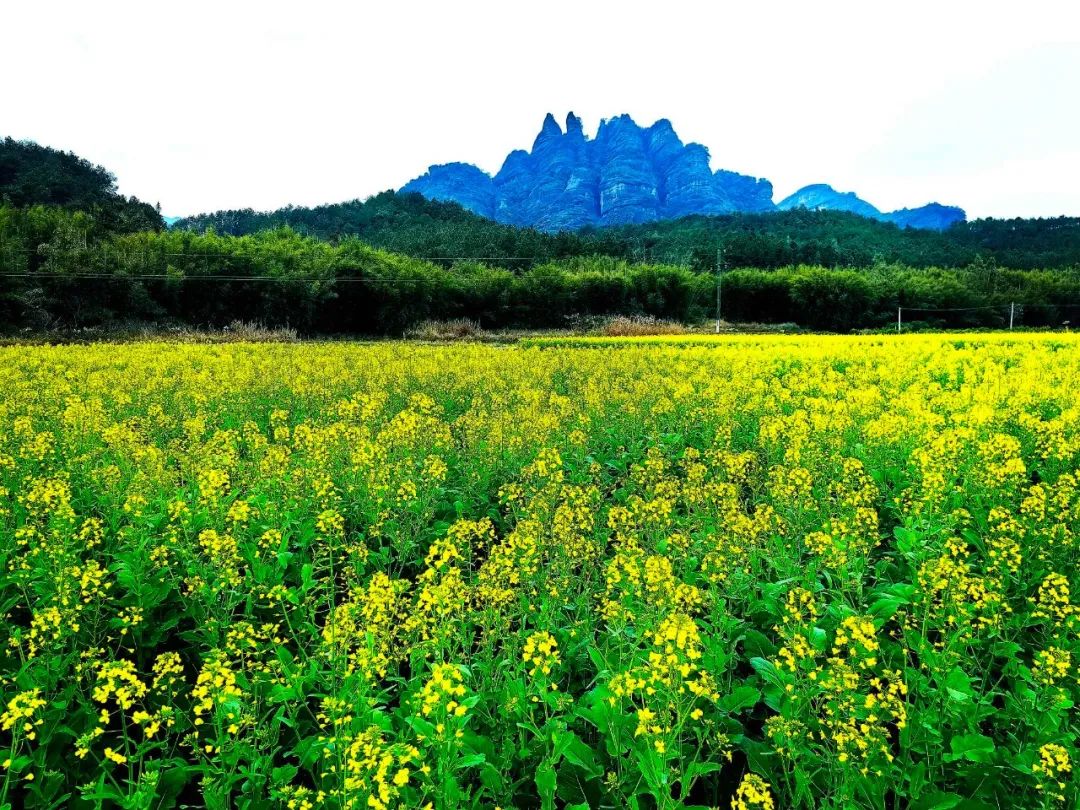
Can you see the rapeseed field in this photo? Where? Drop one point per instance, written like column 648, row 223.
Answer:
column 752, row 572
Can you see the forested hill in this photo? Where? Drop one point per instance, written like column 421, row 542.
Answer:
column 31, row 174
column 841, row 239
column 411, row 224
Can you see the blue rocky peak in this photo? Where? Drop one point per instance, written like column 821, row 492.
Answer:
column 933, row 216
column 549, row 131
column 823, row 197
column 627, row 174
column 573, row 125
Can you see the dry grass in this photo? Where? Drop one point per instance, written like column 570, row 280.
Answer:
column 640, row 326
column 235, row 332
column 456, row 329
column 447, row 331
column 253, row 332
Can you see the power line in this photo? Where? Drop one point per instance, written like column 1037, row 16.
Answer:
column 666, row 258
column 950, row 309
column 167, row 277
column 989, row 306
column 233, row 256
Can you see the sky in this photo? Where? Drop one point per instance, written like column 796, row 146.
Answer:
column 227, row 104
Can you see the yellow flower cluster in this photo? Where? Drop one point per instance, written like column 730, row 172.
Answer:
column 1051, row 665
column 1053, row 601
column 216, row 686
column 376, row 771
column 442, row 693
column 669, row 688
column 853, row 707
column 20, row 713
column 353, row 575
column 541, row 653
column 118, row 681
column 752, row 794
column 1052, row 770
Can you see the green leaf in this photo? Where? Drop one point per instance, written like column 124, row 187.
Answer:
column 910, row 543
column 697, row 769
column 741, row 697
column 102, row 792
column 490, row 777
column 546, row 782
column 972, row 747
column 937, row 801
column 469, row 761
column 421, row 726
column 757, row 644
column 768, row 671
column 1006, row 649
column 580, row 755
column 282, row 694
column 885, row 608
column 284, row 775
column 958, row 685
column 598, row 661
column 531, row 727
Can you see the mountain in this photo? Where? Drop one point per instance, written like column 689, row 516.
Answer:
column 630, row 174
column 934, row 216
column 626, row 174
column 31, row 174
column 823, row 197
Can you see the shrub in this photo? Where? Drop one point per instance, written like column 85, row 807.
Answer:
column 639, row 325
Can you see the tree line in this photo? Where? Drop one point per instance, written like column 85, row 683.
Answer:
column 61, row 270
column 411, row 224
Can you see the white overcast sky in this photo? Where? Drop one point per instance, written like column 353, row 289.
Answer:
column 208, row 105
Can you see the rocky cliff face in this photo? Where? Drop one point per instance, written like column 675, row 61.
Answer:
column 464, row 184
column 822, row 197
column 627, row 174
column 934, row 216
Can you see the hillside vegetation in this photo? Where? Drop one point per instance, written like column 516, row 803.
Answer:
column 75, row 253
column 409, row 223
column 281, row 277
column 37, row 175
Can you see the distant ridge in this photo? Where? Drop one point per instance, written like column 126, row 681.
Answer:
column 823, row 197
column 630, row 174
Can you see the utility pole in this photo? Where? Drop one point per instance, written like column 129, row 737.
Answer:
column 719, row 276
column 1012, row 312
column 898, row 310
